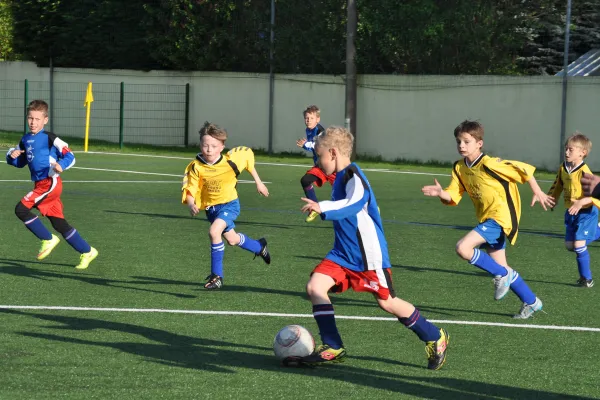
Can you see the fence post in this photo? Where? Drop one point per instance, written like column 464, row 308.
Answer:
column 26, row 97
column 121, row 114
column 187, row 115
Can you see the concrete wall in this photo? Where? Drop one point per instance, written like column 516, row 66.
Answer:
column 409, row 117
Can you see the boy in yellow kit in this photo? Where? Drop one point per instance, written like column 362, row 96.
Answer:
column 581, row 217
column 209, row 184
column 491, row 184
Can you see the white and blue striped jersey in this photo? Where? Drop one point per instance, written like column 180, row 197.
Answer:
column 360, row 243
column 40, row 151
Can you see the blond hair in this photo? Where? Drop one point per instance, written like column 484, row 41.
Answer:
column 579, row 139
column 38, row 105
column 336, row 137
column 213, row 130
column 312, row 110
column 473, row 128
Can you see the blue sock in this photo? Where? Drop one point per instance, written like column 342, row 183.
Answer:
column 482, row 260
column 76, row 241
column 583, row 262
column 425, row 330
column 325, row 318
column 521, row 289
column 309, row 191
column 217, row 251
column 38, row 229
column 249, row 244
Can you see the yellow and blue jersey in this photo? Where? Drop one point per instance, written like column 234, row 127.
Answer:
column 212, row 184
column 569, row 183
column 491, row 183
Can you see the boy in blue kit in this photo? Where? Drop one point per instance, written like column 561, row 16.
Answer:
column 209, row 184
column 315, row 175
column 581, row 216
column 491, row 184
column 46, row 156
column 359, row 258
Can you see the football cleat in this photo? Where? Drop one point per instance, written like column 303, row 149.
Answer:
column 312, row 216
column 86, row 258
column 502, row 283
column 324, row 354
column 527, row 310
column 47, row 247
column 213, row 282
column 436, row 351
column 585, row 282
column 264, row 252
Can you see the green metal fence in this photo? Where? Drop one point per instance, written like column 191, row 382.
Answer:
column 121, row 113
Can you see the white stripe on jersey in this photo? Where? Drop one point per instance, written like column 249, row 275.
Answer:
column 52, row 187
column 60, row 145
column 354, row 188
column 370, row 241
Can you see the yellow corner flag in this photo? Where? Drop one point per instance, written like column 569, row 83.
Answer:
column 89, row 98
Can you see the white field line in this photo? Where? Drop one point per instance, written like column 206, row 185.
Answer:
column 282, row 315
column 287, row 165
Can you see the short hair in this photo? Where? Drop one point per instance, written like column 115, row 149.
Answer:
column 210, row 129
column 473, row 128
column 312, row 110
column 338, row 137
column 579, row 139
column 38, row 105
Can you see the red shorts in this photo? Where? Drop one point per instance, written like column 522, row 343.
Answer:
column 323, row 177
column 46, row 197
column 378, row 282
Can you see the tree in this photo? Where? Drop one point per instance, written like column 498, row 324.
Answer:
column 6, row 34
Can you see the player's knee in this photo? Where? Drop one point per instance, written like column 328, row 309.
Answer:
column 569, row 246
column 463, row 251
column 23, row 213
column 214, row 234
column 60, row 225
column 386, row 305
column 232, row 241
column 313, row 289
column 307, row 180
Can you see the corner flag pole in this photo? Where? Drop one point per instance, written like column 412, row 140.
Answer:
column 89, row 98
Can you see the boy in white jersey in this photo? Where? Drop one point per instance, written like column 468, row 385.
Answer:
column 359, row 259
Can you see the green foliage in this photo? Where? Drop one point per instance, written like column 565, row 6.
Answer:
column 6, row 34
column 398, row 37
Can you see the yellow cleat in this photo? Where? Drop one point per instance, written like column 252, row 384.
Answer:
column 436, row 351
column 312, row 216
column 87, row 258
column 47, row 247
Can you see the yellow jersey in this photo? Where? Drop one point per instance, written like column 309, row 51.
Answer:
column 212, row 184
column 491, row 183
column 569, row 182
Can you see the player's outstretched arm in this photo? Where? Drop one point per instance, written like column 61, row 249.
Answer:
column 260, row 186
column 590, row 185
column 436, row 190
column 191, row 203
column 310, row 206
column 545, row 200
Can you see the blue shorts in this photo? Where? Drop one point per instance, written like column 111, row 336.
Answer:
column 492, row 233
column 228, row 212
column 581, row 226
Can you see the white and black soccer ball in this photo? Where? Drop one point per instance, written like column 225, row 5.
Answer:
column 293, row 341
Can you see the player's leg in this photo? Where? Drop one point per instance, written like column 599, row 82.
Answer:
column 467, row 249
column 35, row 226
column 217, row 251
column 325, row 276
column 314, row 176
column 436, row 339
column 585, row 222
column 72, row 236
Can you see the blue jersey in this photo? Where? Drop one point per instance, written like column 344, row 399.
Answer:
column 359, row 243
column 40, row 151
column 311, row 136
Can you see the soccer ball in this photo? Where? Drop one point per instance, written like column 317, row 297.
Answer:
column 293, row 341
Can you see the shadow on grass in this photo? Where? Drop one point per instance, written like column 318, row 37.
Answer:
column 215, row 356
